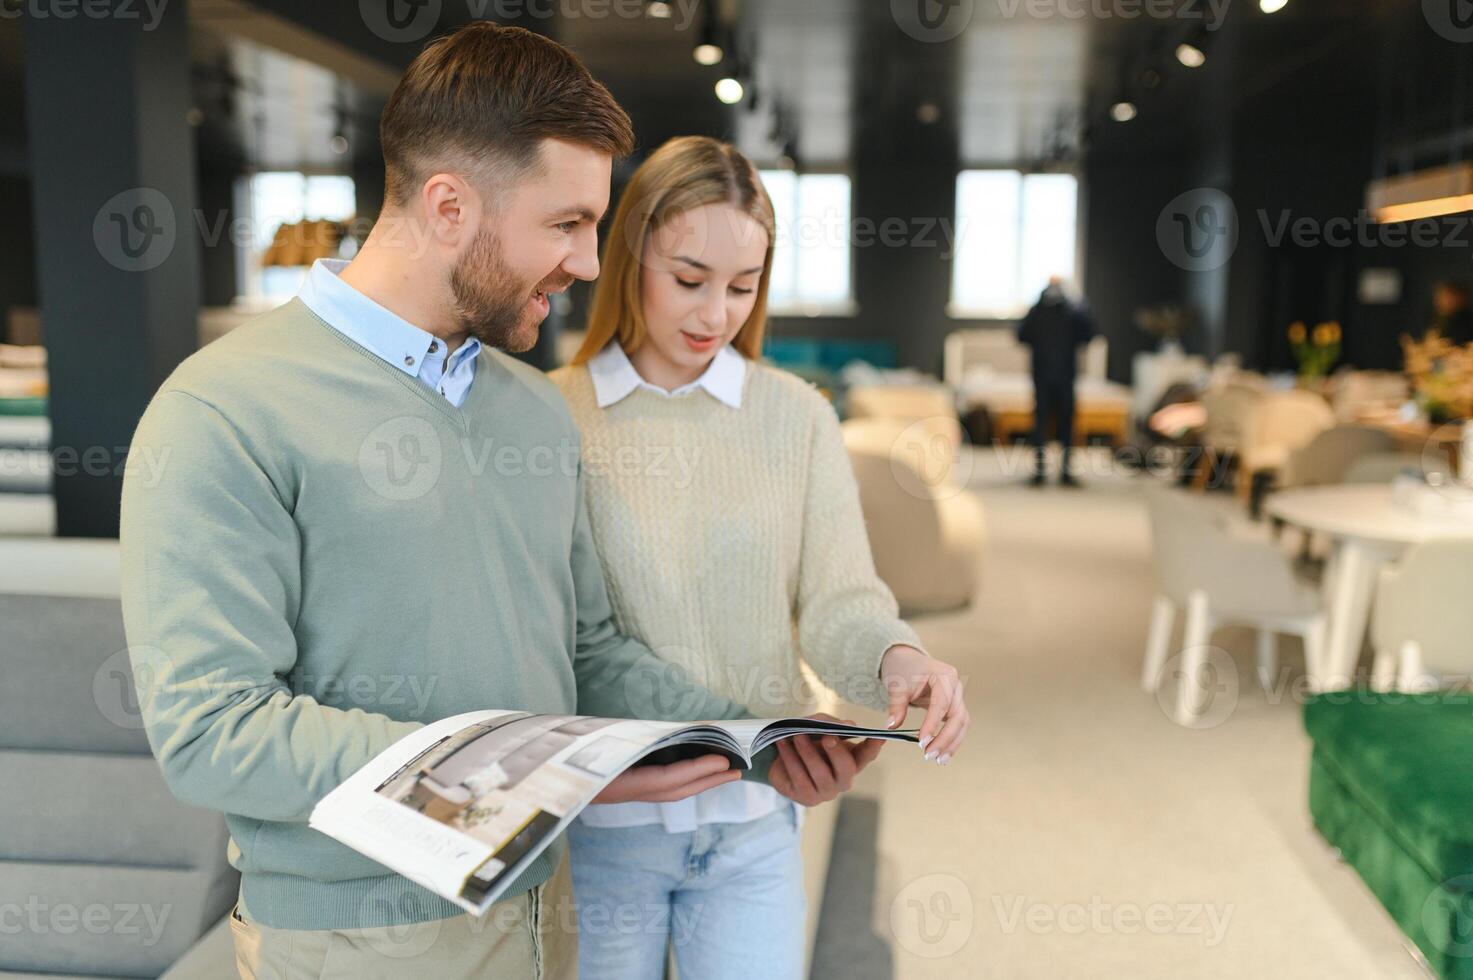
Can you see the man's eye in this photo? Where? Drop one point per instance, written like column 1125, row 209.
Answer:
column 567, row 226
column 687, row 285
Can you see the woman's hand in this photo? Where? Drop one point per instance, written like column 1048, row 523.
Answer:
column 665, row 784
column 913, row 678
column 815, row 769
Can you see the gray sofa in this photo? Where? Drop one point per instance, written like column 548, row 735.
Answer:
column 103, row 873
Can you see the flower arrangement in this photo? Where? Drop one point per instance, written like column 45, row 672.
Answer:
column 1315, row 350
column 1442, row 376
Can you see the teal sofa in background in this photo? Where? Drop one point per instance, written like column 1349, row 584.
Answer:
column 1391, row 786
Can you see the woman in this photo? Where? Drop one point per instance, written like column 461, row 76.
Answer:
column 728, row 523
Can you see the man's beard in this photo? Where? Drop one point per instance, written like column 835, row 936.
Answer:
column 491, row 302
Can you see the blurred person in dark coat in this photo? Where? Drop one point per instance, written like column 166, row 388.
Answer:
column 1054, row 330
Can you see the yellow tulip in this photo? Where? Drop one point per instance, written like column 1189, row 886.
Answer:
column 1296, row 332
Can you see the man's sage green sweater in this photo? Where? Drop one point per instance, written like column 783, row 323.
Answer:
column 324, row 554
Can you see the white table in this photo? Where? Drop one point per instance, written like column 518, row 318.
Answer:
column 1368, row 530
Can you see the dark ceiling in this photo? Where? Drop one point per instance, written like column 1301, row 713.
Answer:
column 1016, row 90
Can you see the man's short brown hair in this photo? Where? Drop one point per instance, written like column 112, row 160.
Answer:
column 480, row 102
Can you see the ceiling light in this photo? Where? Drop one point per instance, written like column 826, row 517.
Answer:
column 1272, row 6
column 1190, row 55
column 729, row 90
column 1122, row 111
column 709, row 50
column 658, row 9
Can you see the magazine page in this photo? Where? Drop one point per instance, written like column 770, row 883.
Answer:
column 462, row 806
column 755, row 734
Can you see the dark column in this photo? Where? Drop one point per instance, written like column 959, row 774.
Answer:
column 112, row 159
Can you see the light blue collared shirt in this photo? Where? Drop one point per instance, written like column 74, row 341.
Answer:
column 418, row 353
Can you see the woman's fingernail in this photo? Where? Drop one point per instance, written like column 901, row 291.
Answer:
column 924, row 741
column 944, row 759
column 930, row 756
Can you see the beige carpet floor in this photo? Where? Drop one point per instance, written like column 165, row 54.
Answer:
column 1082, row 833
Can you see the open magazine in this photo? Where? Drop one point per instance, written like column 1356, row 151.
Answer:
column 462, row 806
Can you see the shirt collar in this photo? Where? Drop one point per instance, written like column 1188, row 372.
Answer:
column 614, row 377
column 365, row 322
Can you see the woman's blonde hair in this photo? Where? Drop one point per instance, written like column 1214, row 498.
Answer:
column 686, row 173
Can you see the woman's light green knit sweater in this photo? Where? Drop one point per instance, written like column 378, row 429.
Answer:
column 732, row 540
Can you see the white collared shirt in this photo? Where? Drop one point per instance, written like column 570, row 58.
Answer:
column 614, row 377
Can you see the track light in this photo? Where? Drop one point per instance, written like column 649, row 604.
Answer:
column 658, row 10
column 729, row 90
column 1190, row 55
column 708, row 50
column 1272, row 6
column 1123, row 111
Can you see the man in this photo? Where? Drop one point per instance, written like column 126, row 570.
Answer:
column 370, row 518
column 1054, row 330
column 1450, row 315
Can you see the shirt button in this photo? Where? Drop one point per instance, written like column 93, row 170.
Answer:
column 434, row 346
column 409, row 359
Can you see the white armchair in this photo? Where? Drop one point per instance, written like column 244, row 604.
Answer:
column 1221, row 578
column 925, row 531
column 1282, row 422
column 1422, row 624
column 1330, row 455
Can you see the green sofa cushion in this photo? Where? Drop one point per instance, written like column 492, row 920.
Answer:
column 1391, row 788
column 1405, row 759
column 1434, row 914
column 31, row 405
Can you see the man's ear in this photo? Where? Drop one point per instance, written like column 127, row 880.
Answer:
column 452, row 208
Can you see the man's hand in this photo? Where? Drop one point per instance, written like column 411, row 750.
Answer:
column 665, row 784
column 911, row 677
column 815, row 769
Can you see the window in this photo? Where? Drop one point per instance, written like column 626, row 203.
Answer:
column 272, row 199
column 1013, row 231
column 811, row 261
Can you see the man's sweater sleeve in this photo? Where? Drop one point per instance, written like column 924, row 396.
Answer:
column 211, row 587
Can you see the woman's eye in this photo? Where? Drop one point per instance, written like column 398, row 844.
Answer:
column 740, row 291
column 566, row 227
column 687, row 285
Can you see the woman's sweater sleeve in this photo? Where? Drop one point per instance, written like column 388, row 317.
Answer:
column 847, row 618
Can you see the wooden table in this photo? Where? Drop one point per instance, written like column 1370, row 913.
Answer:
column 1089, row 420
